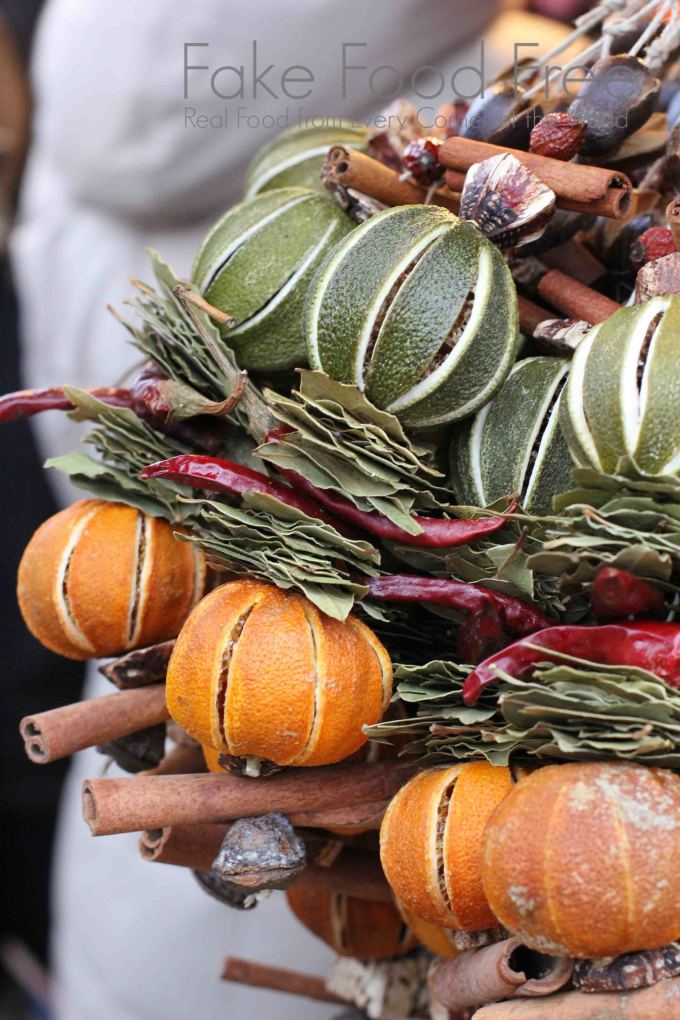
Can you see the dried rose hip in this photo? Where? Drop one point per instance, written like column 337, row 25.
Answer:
column 653, row 244
column 558, row 135
column 421, row 159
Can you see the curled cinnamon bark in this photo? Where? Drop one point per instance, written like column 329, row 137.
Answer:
column 348, row 168
column 578, row 187
column 63, row 731
column 499, row 971
column 660, row 1002
column 260, row 975
column 311, row 796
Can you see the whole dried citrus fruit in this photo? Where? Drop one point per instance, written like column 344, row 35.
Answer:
column 260, row 672
column 431, row 843
column 101, row 578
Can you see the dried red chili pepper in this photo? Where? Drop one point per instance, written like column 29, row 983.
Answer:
column 518, row 617
column 649, row 644
column 617, row 594
column 435, row 534
column 481, row 634
column 215, row 474
column 26, row 403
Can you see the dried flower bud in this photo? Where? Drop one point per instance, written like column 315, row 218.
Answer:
column 561, row 336
column 261, row 853
column 652, row 244
column 508, row 202
column 421, row 159
column 558, row 135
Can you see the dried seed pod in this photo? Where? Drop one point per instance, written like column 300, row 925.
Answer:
column 632, row 970
column 620, row 410
column 100, row 578
column 616, row 99
column 508, row 202
column 581, row 859
column 659, row 278
column 137, row 751
column 431, row 843
column 417, row 309
column 499, row 115
column 261, row 853
column 365, row 929
column 239, row 677
column 294, row 158
column 225, row 892
column 514, row 444
column 561, row 336
column 557, row 135
column 256, row 264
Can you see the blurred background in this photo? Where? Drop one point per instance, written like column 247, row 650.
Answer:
column 97, row 162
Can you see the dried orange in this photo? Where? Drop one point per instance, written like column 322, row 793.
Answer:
column 431, row 843
column 434, row 937
column 365, row 929
column 582, row 859
column 260, row 672
column 101, row 578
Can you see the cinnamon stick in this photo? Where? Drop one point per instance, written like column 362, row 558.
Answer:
column 673, row 217
column 63, row 731
column 260, row 975
column 530, row 315
column 574, row 299
column 348, row 168
column 499, row 971
column 578, row 187
column 152, row 802
column 577, row 261
column 189, row 846
column 658, row 1002
column 354, row 872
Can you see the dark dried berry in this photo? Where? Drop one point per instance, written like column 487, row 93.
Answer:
column 653, row 244
column 500, row 116
column 421, row 159
column 558, row 135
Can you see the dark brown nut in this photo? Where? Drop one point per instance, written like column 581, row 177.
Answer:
column 558, row 135
column 617, row 99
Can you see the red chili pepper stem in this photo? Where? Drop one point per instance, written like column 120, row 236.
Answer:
column 648, row 644
column 518, row 617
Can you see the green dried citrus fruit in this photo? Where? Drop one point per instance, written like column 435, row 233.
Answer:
column 514, row 444
column 622, row 404
column 256, row 264
column 419, row 310
column 295, row 157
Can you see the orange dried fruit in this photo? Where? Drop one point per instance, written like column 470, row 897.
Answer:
column 434, row 937
column 260, row 672
column 365, row 929
column 582, row 859
column 431, row 843
column 101, row 578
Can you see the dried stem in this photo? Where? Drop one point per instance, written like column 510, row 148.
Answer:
column 260, row 975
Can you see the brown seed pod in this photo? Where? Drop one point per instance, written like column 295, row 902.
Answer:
column 508, row 202
column 558, row 135
column 617, row 98
column 365, row 929
column 101, row 578
column 581, row 859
